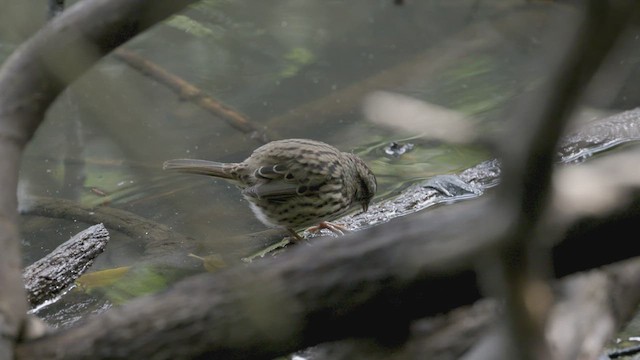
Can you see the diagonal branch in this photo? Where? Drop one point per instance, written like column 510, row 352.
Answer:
column 190, row 92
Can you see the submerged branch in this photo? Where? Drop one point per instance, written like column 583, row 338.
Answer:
column 160, row 242
column 190, row 92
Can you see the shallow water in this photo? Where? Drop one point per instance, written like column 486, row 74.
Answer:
column 293, row 69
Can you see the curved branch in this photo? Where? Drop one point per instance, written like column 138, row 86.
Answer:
column 30, row 80
column 159, row 241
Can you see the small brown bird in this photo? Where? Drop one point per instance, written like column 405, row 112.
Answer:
column 294, row 183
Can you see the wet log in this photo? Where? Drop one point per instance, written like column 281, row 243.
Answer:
column 47, row 277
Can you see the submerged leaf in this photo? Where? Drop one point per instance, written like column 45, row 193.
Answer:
column 101, row 278
column 211, row 262
column 124, row 283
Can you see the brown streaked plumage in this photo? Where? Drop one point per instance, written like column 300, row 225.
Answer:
column 293, row 183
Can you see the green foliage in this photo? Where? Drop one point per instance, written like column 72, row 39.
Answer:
column 190, row 26
column 296, row 59
column 208, row 5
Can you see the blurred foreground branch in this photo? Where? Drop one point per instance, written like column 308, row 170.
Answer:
column 527, row 152
column 590, row 307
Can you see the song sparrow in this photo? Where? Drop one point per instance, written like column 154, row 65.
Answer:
column 293, row 183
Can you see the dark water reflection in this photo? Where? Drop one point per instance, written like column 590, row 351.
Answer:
column 295, row 69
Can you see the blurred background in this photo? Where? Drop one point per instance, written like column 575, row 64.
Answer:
column 291, row 68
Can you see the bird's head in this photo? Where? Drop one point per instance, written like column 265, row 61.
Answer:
column 365, row 183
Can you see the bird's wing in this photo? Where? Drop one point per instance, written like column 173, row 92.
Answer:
column 281, row 182
column 272, row 190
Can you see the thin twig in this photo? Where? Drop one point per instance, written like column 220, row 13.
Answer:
column 188, row 91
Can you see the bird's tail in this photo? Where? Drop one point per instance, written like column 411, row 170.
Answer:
column 203, row 167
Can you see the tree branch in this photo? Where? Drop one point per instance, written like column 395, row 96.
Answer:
column 190, row 92
column 30, row 80
column 159, row 241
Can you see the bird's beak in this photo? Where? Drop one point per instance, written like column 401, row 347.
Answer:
column 365, row 206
